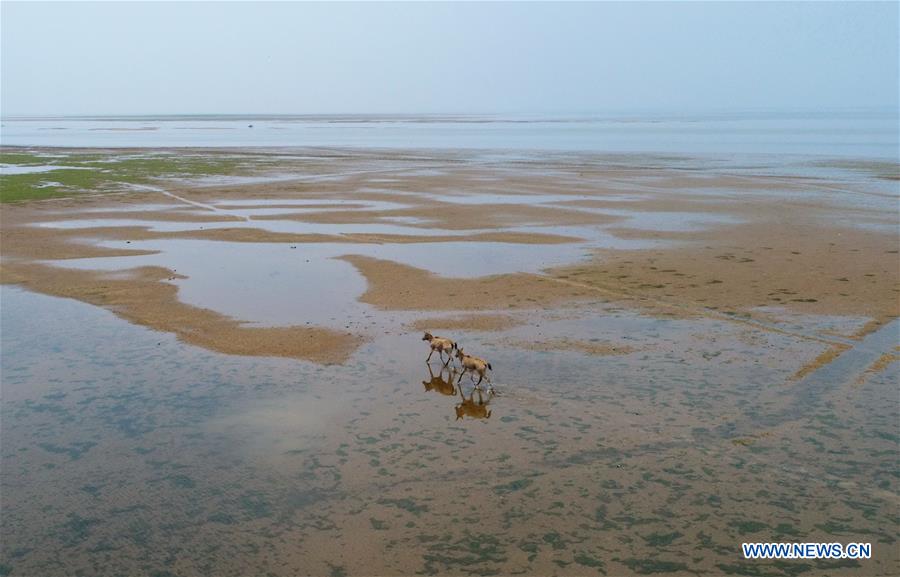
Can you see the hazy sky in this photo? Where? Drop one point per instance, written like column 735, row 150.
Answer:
column 133, row 58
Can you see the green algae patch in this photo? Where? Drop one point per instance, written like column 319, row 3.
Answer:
column 512, row 487
column 406, row 504
column 661, row 539
column 474, row 554
column 587, row 561
column 111, row 172
column 651, row 566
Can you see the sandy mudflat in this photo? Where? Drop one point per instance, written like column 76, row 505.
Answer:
column 767, row 241
column 394, row 286
column 224, row 375
column 806, row 267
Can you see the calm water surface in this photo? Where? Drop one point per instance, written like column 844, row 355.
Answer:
column 869, row 134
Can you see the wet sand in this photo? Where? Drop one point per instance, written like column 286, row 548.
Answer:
column 565, row 344
column 227, row 378
column 807, row 268
column 469, row 322
column 394, row 286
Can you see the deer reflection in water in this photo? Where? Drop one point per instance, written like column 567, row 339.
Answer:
column 438, row 383
column 471, row 408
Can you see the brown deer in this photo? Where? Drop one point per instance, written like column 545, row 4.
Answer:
column 476, row 365
column 441, row 345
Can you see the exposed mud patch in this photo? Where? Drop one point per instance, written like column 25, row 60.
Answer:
column 395, row 286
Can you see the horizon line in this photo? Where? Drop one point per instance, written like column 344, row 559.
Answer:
column 549, row 114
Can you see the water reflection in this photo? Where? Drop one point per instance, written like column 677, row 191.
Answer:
column 438, row 383
column 471, row 408
column 475, row 406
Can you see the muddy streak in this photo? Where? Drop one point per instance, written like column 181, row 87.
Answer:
column 820, row 361
column 200, row 205
column 880, row 364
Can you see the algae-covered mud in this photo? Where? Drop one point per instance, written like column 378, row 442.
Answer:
column 212, row 362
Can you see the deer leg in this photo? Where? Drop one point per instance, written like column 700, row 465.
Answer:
column 461, row 376
column 477, row 387
column 429, row 355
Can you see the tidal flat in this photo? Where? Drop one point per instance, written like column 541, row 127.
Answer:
column 212, row 362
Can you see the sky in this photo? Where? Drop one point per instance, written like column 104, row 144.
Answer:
column 316, row 58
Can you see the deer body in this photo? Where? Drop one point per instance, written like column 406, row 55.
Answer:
column 440, row 345
column 475, row 365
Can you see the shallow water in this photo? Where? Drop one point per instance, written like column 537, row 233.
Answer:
column 835, row 133
column 125, row 451
column 30, row 169
column 666, row 221
column 282, row 284
column 275, row 207
column 278, row 226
